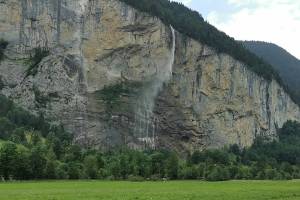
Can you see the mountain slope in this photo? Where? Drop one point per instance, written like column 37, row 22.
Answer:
column 192, row 24
column 286, row 64
column 114, row 76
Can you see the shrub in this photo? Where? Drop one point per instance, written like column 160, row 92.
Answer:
column 6, row 127
column 75, row 170
column 50, row 169
column 90, row 166
column 102, row 173
column 244, row 172
column 8, row 159
column 62, row 171
column 155, row 177
column 135, row 178
column 271, row 174
column 189, row 172
column 3, row 45
column 172, row 166
column 38, row 55
column 218, row 173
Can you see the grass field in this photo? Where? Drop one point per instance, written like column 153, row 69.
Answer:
column 175, row 190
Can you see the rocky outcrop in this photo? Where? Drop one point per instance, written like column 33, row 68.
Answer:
column 116, row 76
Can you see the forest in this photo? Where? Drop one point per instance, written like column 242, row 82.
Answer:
column 31, row 149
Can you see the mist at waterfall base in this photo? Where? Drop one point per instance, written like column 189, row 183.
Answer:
column 145, row 121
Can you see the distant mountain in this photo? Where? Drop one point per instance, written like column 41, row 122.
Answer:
column 286, row 64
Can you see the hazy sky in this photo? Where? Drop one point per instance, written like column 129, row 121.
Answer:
column 276, row 21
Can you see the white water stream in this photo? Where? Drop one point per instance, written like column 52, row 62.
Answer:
column 145, row 122
column 77, row 50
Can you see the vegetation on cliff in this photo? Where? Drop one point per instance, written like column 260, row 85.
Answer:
column 113, row 96
column 3, row 45
column 35, row 59
column 30, row 148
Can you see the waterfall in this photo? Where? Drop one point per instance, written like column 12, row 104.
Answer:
column 145, row 121
column 77, row 51
column 79, row 20
column 172, row 58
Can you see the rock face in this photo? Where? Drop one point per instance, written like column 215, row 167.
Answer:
column 116, row 76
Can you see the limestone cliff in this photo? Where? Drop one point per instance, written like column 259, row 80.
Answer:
column 116, row 76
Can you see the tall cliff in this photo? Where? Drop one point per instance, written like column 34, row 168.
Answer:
column 117, row 76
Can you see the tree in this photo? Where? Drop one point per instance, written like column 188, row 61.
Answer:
column 115, row 168
column 55, row 144
column 100, row 161
column 50, row 169
column 23, row 168
column 74, row 170
column 38, row 161
column 5, row 105
column 8, row 159
column 51, row 164
column 189, row 172
column 18, row 136
column 197, row 157
column 91, row 166
column 243, row 173
column 235, row 149
column 74, row 153
column 6, row 127
column 124, row 165
column 218, row 156
column 218, row 173
column 172, row 166
column 62, row 171
column 157, row 161
column 271, row 174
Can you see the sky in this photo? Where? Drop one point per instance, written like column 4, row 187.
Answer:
column 276, row 21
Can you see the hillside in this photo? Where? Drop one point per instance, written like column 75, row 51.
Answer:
column 136, row 89
column 286, row 64
column 30, row 148
column 192, row 24
column 114, row 76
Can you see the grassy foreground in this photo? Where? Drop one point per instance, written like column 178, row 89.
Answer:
column 175, row 190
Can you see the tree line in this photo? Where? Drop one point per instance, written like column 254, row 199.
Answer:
column 31, row 148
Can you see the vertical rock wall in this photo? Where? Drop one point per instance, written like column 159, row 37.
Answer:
column 116, row 76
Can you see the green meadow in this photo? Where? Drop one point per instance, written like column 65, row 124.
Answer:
column 175, row 190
